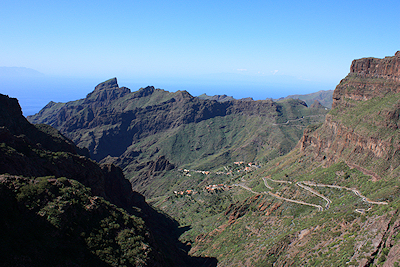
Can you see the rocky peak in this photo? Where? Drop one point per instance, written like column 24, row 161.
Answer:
column 388, row 67
column 183, row 95
column 143, row 92
column 11, row 114
column 106, row 92
column 219, row 98
column 111, row 83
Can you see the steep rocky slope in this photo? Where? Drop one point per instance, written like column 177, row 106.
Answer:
column 136, row 129
column 34, row 151
column 363, row 126
column 334, row 199
column 59, row 207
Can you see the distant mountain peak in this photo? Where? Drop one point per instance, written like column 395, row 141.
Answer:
column 110, row 83
column 107, row 91
column 219, row 98
column 142, row 92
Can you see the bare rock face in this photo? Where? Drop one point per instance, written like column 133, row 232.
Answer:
column 388, row 67
column 369, row 78
column 105, row 92
column 363, row 124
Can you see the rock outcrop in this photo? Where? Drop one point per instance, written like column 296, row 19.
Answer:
column 219, row 98
column 363, row 124
column 388, row 67
column 369, row 78
column 316, row 104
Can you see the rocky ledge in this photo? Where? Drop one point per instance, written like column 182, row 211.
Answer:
column 369, row 78
column 362, row 126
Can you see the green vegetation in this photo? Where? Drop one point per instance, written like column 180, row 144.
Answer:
column 324, row 97
column 329, row 202
column 66, row 217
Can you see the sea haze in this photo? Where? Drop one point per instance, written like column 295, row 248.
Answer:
column 35, row 91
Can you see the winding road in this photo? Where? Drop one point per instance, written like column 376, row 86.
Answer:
column 328, row 201
column 355, row 191
column 305, row 185
column 279, row 197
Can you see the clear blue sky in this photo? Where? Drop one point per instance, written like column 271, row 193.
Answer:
column 209, row 42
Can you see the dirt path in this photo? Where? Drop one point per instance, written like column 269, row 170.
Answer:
column 266, row 184
column 299, row 119
column 280, row 181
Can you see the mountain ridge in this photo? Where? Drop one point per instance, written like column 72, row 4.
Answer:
column 134, row 129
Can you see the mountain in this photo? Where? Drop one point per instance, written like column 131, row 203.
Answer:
column 364, row 119
column 324, row 97
column 60, row 208
column 334, row 199
column 220, row 98
column 151, row 131
column 259, row 183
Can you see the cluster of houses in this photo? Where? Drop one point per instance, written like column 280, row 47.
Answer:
column 187, row 192
column 214, row 187
column 186, row 172
column 217, row 187
column 250, row 166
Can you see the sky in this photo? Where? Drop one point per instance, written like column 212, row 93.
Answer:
column 256, row 49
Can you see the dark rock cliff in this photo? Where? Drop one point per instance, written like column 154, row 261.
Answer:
column 42, row 151
column 29, row 151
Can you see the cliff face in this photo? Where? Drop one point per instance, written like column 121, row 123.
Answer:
column 369, row 78
column 42, row 151
column 388, row 67
column 363, row 126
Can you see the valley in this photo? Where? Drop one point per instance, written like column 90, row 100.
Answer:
column 217, row 181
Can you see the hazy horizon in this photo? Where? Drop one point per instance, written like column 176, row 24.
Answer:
column 256, row 49
column 34, row 92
